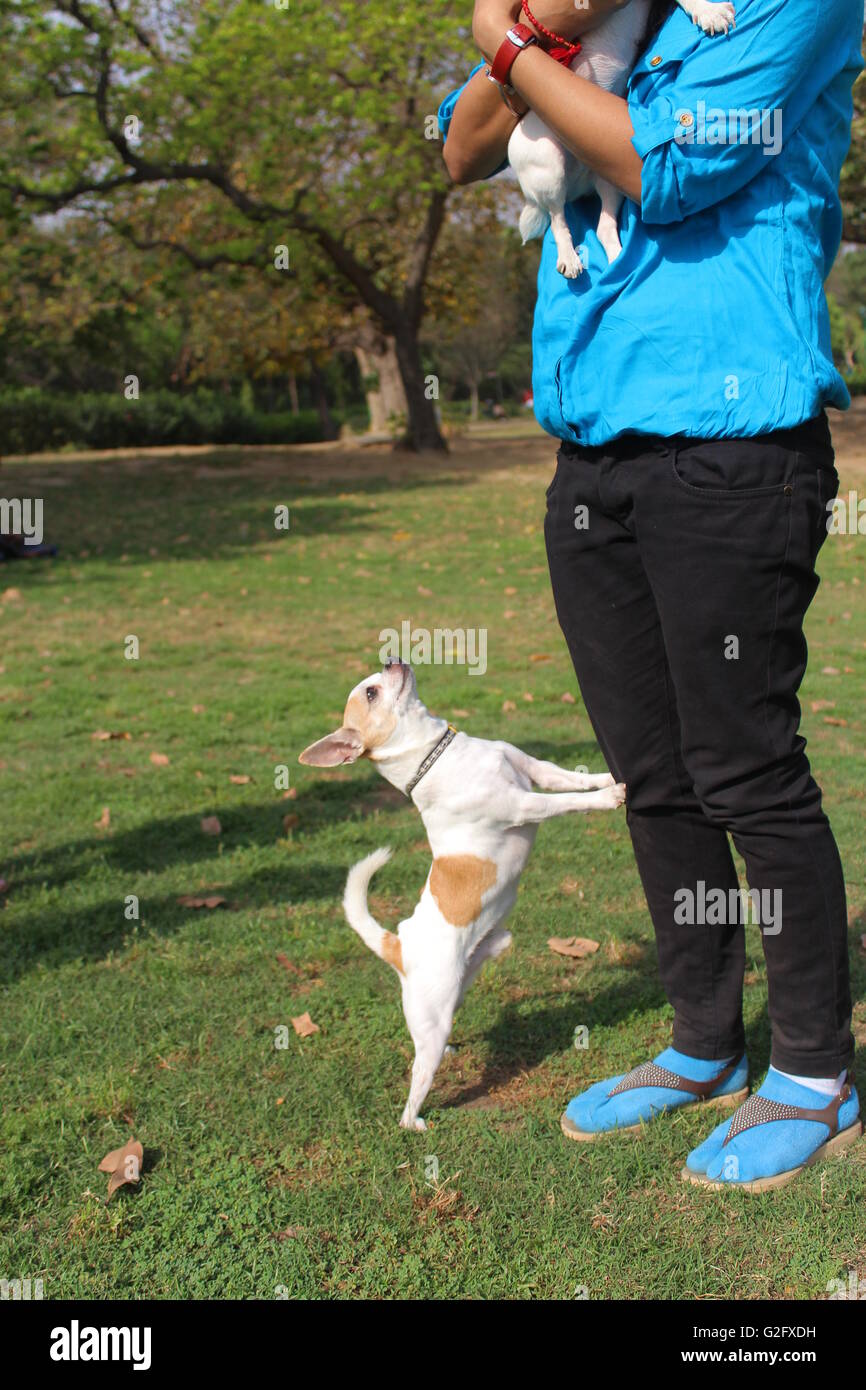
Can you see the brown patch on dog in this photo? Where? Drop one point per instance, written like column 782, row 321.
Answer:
column 374, row 727
column 392, row 951
column 457, row 882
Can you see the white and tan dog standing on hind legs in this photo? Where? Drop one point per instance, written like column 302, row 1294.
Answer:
column 481, row 815
column 550, row 175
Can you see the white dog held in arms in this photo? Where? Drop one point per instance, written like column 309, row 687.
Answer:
column 551, row 176
column 481, row 817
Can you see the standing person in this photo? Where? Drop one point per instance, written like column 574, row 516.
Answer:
column 687, row 381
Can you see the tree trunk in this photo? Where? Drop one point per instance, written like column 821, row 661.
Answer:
column 473, row 400
column 383, row 387
column 423, row 428
column 293, row 394
column 329, row 429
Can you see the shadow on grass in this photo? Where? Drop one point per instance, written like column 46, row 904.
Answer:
column 53, row 936
column 521, row 1042
column 166, row 512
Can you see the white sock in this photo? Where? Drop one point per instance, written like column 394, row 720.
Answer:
column 825, row 1086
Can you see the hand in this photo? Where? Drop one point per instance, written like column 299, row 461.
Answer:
column 490, row 23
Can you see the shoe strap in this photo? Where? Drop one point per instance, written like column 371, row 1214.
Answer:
column 761, row 1110
column 649, row 1074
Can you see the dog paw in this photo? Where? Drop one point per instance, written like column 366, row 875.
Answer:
column 714, row 18
column 602, row 779
column 570, row 265
column 419, row 1125
column 611, row 797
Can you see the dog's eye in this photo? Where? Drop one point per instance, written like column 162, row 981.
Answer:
column 372, row 692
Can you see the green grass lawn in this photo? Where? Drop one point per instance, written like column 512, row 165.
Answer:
column 271, row 1170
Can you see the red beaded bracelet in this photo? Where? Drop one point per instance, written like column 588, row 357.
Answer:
column 563, row 50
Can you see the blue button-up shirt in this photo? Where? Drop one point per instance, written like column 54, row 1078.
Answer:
column 712, row 322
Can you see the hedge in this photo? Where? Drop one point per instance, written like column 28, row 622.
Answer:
column 33, row 420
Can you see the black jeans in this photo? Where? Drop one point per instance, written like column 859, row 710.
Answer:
column 682, row 570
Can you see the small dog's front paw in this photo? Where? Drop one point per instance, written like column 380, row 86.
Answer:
column 714, row 18
column 612, row 797
column 570, row 265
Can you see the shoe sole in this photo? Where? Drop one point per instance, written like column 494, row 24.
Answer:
column 584, row 1136
column 840, row 1141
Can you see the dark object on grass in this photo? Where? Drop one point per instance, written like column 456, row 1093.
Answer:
column 15, row 548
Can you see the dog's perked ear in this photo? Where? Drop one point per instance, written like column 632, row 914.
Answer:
column 342, row 746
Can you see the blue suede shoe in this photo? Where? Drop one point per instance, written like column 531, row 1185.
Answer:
column 623, row 1104
column 778, row 1132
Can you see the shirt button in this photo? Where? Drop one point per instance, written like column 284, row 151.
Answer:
column 654, row 62
column 687, row 119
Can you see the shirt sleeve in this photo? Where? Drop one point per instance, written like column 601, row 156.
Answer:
column 735, row 101
column 446, row 111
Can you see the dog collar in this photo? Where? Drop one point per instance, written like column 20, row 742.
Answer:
column 431, row 757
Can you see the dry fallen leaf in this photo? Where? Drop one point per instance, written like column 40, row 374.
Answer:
column 829, row 670
column 575, row 946
column 304, row 1026
column 104, row 820
column 287, row 964
column 102, row 735
column 189, row 900
column 568, row 698
column 124, row 1165
column 817, row 705
column 460, row 713
column 290, row 821
column 11, row 595
column 839, row 723
column 211, row 825
column 240, row 779
column 198, row 709
column 540, row 656
column 508, row 706
column 424, row 591
column 159, row 759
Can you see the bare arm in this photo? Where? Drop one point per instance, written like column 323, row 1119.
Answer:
column 594, row 124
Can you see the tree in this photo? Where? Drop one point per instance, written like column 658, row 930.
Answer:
column 476, row 327
column 853, row 182
column 299, row 142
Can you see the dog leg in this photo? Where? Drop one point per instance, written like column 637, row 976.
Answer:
column 429, row 1051
column 490, row 946
column 430, row 1029
column 529, row 808
column 550, row 778
column 607, row 230
column 568, row 262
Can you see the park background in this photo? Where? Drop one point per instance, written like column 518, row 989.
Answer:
column 153, row 161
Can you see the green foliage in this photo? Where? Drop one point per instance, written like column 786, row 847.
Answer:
column 33, row 420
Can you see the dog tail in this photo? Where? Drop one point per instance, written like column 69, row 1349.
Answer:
column 385, row 944
column 533, row 222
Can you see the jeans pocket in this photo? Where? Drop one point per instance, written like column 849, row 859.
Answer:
column 827, row 481
column 732, row 469
column 552, row 484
